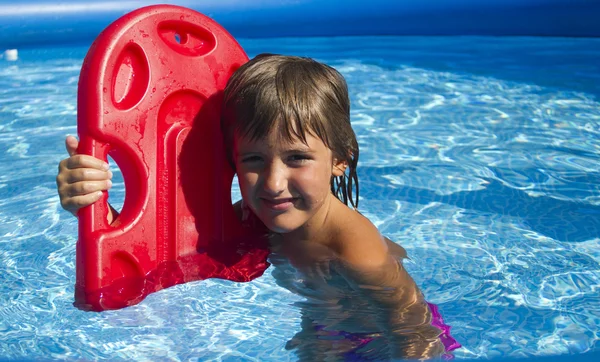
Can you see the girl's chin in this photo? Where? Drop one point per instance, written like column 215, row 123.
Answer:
column 279, row 226
column 280, row 229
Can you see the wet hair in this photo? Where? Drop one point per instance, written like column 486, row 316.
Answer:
column 294, row 96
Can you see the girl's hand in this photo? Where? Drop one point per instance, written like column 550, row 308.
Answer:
column 81, row 179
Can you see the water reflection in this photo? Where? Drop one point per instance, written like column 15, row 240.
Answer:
column 358, row 315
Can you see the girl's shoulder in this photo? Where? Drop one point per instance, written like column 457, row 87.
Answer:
column 358, row 242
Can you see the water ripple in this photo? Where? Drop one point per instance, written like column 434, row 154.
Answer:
column 474, row 159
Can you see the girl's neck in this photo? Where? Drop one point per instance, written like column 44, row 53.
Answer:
column 318, row 228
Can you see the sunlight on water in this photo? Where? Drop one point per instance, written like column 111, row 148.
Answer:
column 482, row 167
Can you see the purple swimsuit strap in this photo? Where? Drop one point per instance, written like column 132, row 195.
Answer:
column 437, row 321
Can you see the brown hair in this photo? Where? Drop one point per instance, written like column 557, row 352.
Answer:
column 294, row 95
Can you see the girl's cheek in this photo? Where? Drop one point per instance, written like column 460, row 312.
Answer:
column 247, row 183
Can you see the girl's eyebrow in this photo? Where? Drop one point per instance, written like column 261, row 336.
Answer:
column 299, row 149
column 244, row 153
column 247, row 148
column 291, row 149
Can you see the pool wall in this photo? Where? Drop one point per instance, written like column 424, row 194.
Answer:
column 38, row 23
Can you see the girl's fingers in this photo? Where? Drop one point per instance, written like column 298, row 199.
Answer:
column 84, row 161
column 86, row 188
column 73, row 204
column 86, row 174
column 81, row 178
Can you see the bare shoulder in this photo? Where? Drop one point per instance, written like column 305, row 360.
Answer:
column 368, row 258
column 358, row 243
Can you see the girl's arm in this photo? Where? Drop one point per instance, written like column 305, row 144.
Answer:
column 374, row 270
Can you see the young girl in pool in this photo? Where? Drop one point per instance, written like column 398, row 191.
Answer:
column 287, row 122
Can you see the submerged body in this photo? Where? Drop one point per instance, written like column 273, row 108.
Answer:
column 386, row 317
column 338, row 321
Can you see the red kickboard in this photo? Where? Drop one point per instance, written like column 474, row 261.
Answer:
column 149, row 94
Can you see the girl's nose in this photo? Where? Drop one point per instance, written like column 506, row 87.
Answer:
column 275, row 180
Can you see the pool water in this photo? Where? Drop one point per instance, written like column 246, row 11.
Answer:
column 479, row 155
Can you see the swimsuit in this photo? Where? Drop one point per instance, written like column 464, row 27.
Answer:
column 362, row 339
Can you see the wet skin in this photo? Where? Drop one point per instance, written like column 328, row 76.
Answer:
column 321, row 249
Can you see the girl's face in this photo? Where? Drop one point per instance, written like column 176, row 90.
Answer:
column 285, row 184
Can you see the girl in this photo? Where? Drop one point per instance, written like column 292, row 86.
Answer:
column 287, row 122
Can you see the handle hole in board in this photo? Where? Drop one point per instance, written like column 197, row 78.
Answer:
column 186, row 38
column 117, row 192
column 236, row 194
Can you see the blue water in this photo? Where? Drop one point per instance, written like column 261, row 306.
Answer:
column 481, row 156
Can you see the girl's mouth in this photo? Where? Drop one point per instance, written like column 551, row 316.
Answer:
column 279, row 204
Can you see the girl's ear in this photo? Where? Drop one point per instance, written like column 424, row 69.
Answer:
column 339, row 167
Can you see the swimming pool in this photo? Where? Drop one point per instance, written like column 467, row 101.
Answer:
column 480, row 155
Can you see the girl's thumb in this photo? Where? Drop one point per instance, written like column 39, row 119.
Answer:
column 71, row 144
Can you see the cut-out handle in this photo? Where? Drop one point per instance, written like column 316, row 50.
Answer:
column 186, row 38
column 130, row 78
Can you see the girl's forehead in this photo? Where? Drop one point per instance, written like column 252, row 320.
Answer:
column 274, row 141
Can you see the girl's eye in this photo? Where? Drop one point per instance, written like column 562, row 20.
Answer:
column 298, row 158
